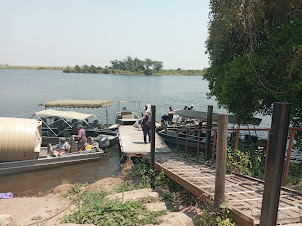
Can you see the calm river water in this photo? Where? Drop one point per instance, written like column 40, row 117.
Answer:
column 21, row 91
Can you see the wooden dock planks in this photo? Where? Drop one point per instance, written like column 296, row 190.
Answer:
column 243, row 194
column 132, row 142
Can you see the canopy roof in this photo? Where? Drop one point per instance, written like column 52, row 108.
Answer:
column 203, row 115
column 79, row 103
column 127, row 101
column 65, row 114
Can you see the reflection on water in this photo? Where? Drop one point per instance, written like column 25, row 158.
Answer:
column 31, row 183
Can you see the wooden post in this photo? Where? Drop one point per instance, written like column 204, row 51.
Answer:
column 275, row 161
column 220, row 169
column 198, row 139
column 213, row 149
column 152, row 160
column 266, row 152
column 289, row 152
column 207, row 154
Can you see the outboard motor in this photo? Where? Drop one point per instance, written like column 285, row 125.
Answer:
column 103, row 142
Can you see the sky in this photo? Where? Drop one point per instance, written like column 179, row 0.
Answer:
column 70, row 32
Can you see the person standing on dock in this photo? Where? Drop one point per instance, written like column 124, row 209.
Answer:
column 146, row 124
column 146, row 110
column 82, row 138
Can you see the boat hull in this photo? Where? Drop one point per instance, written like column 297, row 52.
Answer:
column 7, row 168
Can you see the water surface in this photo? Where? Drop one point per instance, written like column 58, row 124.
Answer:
column 21, row 92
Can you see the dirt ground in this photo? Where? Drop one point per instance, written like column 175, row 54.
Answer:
column 29, row 210
column 53, row 206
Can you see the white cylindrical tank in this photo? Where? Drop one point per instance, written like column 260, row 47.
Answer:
column 20, row 139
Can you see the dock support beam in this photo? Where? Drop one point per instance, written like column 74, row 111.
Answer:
column 275, row 161
column 152, row 162
column 220, row 168
column 208, row 151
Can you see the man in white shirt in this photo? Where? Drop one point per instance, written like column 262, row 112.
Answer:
column 62, row 148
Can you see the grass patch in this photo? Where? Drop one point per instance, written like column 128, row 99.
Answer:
column 93, row 208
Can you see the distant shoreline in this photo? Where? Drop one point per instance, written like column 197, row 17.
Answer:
column 111, row 71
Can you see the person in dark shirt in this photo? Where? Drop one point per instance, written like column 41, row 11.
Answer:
column 170, row 116
column 146, row 124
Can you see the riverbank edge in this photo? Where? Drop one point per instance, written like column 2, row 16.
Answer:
column 55, row 68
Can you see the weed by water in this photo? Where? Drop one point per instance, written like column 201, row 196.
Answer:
column 75, row 189
column 93, row 208
column 221, row 217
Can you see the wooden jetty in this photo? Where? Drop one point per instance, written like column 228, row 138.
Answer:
column 132, row 142
column 243, row 193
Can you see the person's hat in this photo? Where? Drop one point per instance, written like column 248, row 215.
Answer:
column 62, row 140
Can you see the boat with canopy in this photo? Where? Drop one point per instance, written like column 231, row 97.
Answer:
column 81, row 104
column 127, row 117
column 21, row 151
column 171, row 133
column 57, row 124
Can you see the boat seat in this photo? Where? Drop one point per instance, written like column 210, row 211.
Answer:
column 66, row 133
column 49, row 149
column 73, row 146
column 49, row 133
column 123, row 113
column 89, row 140
column 74, row 130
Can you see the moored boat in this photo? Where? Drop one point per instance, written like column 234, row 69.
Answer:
column 20, row 148
column 126, row 117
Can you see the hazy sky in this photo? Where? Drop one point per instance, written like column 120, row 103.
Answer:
column 70, row 32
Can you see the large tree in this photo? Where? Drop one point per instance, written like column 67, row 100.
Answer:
column 255, row 49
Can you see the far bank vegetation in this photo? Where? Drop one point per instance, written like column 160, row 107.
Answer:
column 132, row 66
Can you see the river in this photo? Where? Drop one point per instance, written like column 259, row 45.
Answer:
column 21, row 92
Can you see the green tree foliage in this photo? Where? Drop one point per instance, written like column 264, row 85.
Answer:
column 255, row 50
column 136, row 65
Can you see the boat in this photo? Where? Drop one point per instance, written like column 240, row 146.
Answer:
column 178, row 134
column 84, row 104
column 57, row 124
column 92, row 129
column 126, row 117
column 21, row 151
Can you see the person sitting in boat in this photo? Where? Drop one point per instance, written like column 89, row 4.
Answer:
column 191, row 108
column 82, row 138
column 170, row 116
column 183, row 119
column 199, row 127
column 62, row 148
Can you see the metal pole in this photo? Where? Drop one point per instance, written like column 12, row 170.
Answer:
column 198, row 139
column 177, row 141
column 187, row 142
column 275, row 161
column 220, row 168
column 207, row 153
column 152, row 162
column 107, row 116
column 289, row 152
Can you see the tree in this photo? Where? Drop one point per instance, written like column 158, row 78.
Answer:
column 157, row 65
column 148, row 63
column 77, row 68
column 255, row 52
